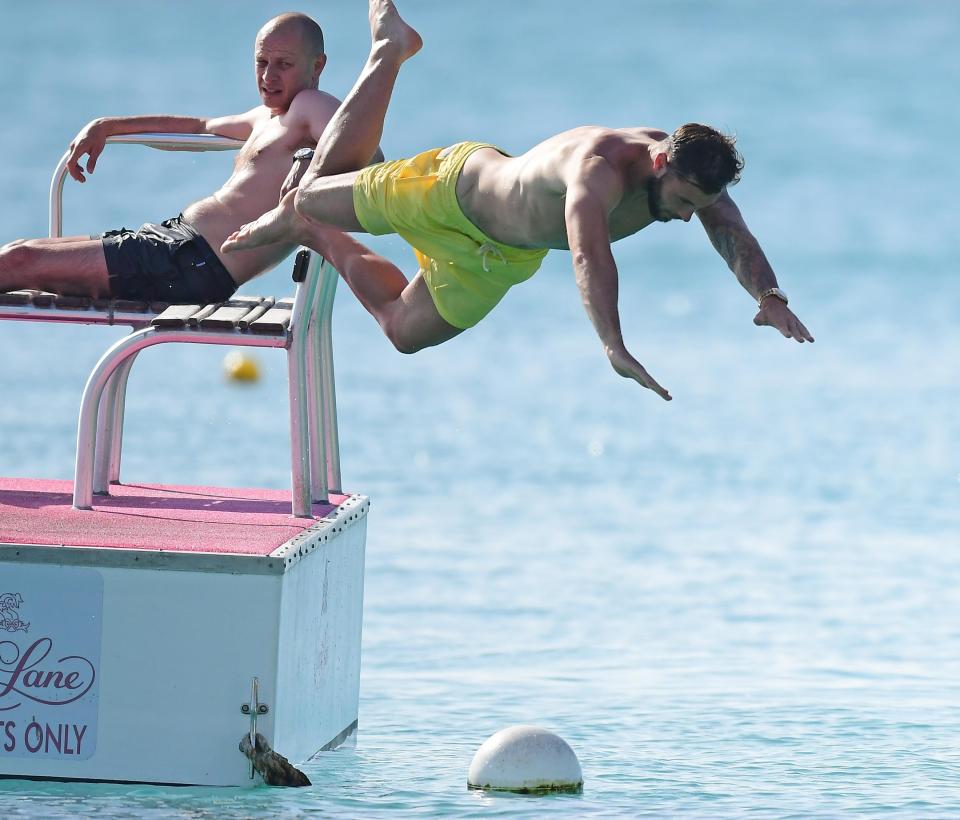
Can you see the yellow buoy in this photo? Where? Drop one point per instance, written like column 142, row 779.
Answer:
column 240, row 367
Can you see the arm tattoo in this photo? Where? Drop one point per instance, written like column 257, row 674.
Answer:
column 743, row 255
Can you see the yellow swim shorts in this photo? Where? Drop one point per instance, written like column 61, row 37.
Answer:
column 466, row 271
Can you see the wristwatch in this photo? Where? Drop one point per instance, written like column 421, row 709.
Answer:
column 772, row 292
column 303, row 154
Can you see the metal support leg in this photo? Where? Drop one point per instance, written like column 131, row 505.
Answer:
column 110, row 429
column 318, row 461
column 116, row 356
column 319, row 487
column 328, row 394
column 300, row 375
column 106, row 414
column 103, row 373
column 299, row 452
column 113, row 472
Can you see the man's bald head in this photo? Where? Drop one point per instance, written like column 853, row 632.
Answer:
column 311, row 35
column 288, row 58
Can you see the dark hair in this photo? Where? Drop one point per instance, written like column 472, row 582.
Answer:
column 704, row 155
column 310, row 31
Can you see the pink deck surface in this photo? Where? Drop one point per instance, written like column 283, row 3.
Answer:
column 152, row 517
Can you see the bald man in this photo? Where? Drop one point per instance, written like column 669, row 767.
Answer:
column 178, row 260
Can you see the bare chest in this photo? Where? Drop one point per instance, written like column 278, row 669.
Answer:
column 271, row 145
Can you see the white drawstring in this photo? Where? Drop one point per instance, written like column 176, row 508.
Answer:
column 485, row 250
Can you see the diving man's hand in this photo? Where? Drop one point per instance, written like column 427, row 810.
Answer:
column 630, row 368
column 775, row 313
column 90, row 142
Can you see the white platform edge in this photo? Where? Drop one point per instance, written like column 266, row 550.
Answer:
column 276, row 563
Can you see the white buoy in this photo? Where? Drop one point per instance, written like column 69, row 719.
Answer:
column 525, row 759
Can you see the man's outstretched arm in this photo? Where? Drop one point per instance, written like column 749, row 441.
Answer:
column 93, row 136
column 590, row 196
column 741, row 251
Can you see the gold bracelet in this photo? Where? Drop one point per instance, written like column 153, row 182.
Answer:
column 772, row 292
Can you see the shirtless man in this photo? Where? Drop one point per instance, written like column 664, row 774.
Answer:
column 481, row 221
column 179, row 260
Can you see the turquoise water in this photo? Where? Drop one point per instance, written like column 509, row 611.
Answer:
column 744, row 602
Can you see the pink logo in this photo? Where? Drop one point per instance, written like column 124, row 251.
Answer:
column 54, row 683
column 29, row 671
column 9, row 615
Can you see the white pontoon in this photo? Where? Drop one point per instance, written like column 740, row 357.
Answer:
column 145, row 629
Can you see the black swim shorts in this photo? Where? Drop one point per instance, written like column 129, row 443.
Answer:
column 169, row 262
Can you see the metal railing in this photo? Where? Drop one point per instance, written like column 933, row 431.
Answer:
column 314, row 438
column 165, row 142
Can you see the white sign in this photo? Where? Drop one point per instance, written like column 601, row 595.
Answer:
column 50, row 626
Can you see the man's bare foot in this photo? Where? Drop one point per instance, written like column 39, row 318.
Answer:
column 279, row 225
column 389, row 30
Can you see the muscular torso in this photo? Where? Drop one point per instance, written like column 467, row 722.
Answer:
column 253, row 188
column 520, row 201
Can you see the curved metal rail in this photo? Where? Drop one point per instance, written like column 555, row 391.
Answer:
column 164, row 142
column 102, row 373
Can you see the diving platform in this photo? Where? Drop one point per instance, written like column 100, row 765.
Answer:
column 146, row 630
column 132, row 635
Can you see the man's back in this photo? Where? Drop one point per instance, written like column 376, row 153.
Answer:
column 521, row 200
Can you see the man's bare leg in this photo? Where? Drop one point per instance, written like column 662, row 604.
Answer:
column 70, row 265
column 350, row 139
column 284, row 224
column 404, row 310
column 353, row 135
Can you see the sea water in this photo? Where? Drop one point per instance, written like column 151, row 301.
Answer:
column 743, row 602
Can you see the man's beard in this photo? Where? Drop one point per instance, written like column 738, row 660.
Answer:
column 655, row 200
